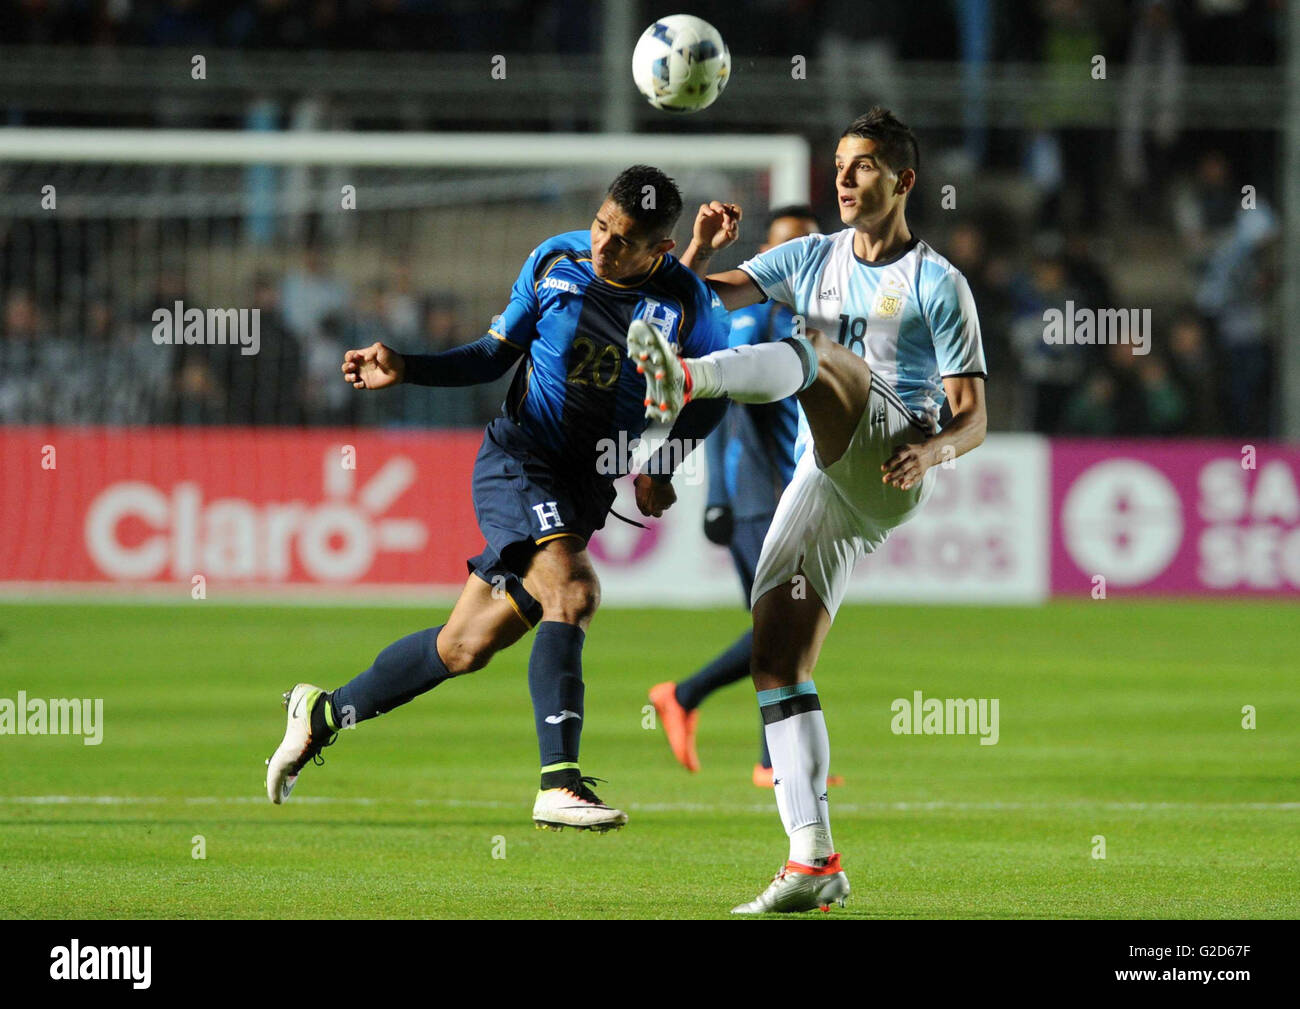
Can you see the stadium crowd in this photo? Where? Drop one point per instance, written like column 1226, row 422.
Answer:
column 1210, row 370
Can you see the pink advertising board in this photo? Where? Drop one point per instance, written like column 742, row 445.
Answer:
column 1175, row 518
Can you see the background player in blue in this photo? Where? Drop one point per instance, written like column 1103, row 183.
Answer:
column 751, row 459
column 538, row 490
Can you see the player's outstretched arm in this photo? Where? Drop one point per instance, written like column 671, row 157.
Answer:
column 373, row 367
column 735, row 289
column 484, row 360
column 965, row 431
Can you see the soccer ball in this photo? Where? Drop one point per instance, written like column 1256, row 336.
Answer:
column 681, row 64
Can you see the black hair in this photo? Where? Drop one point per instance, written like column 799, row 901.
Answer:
column 639, row 185
column 893, row 137
column 799, row 210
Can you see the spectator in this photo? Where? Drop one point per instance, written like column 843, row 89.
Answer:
column 1131, row 393
column 1234, row 290
column 122, row 393
column 310, row 293
column 265, row 388
column 1164, row 403
column 401, row 308
column 1150, row 113
column 20, row 328
column 1192, row 364
column 1050, row 371
column 1091, row 409
column 187, row 388
column 314, row 305
column 989, row 276
column 1085, row 273
column 1204, row 208
column 1070, row 170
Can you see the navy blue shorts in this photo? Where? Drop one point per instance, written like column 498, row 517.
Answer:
column 746, row 545
column 522, row 500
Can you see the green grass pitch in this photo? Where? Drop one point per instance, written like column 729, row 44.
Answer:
column 1117, row 718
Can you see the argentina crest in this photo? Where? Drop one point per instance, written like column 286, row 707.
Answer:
column 889, row 300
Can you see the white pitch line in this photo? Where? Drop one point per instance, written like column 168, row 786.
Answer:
column 644, row 807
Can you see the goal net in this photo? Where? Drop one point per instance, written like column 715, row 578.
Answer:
column 215, row 460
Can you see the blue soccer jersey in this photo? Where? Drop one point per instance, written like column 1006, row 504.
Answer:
column 911, row 317
column 755, row 455
column 577, row 385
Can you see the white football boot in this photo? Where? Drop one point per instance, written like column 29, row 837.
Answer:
column 665, row 378
column 297, row 747
column 801, row 888
column 580, row 808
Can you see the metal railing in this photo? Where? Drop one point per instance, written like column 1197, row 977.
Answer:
column 138, row 86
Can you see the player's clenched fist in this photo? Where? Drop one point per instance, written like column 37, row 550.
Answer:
column 717, row 225
column 653, row 498
column 374, row 367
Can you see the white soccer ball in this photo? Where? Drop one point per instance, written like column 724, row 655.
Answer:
column 681, row 64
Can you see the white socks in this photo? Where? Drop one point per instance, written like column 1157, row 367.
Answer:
column 801, row 751
column 761, row 373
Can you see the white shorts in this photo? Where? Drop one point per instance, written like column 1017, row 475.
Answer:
column 829, row 518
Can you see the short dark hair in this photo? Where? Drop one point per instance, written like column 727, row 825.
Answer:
column 629, row 192
column 799, row 210
column 895, row 139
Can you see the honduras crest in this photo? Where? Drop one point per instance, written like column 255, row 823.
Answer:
column 662, row 318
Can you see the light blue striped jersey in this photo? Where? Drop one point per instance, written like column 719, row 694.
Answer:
column 911, row 317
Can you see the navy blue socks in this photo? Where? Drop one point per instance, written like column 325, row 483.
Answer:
column 404, row 670
column 555, row 683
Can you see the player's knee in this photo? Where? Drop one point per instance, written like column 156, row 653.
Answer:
column 836, row 362
column 465, row 653
column 770, row 668
column 573, row 602
column 819, row 340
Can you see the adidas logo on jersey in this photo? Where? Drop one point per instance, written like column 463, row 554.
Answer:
column 826, row 295
column 877, row 414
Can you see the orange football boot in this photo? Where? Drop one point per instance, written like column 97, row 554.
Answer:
column 679, row 724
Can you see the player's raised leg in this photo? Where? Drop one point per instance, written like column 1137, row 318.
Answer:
column 480, row 625
column 755, row 374
column 560, row 576
column 832, row 383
